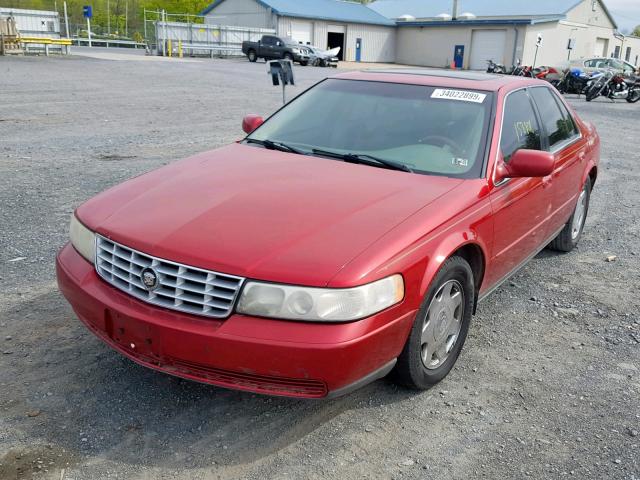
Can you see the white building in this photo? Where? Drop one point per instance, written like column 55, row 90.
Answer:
column 504, row 31
column 361, row 32
column 438, row 33
column 34, row 23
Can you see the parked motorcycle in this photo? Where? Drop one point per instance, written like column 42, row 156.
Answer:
column 576, row 80
column 614, row 86
column 522, row 71
column 493, row 67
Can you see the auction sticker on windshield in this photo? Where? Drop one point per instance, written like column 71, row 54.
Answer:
column 461, row 95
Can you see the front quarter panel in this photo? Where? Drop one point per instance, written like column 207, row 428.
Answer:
column 418, row 247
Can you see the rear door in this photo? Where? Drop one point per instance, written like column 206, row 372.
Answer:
column 268, row 47
column 563, row 139
column 521, row 206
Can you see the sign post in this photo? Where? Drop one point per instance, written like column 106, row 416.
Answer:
column 281, row 72
column 87, row 11
column 538, row 45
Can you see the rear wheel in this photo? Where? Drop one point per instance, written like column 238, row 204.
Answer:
column 440, row 327
column 570, row 235
column 253, row 56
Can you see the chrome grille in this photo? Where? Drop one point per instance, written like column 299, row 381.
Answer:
column 180, row 287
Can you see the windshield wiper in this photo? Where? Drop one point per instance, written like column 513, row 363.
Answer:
column 271, row 145
column 364, row 159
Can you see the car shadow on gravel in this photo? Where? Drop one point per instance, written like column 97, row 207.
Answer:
column 86, row 399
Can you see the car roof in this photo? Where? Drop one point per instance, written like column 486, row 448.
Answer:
column 442, row 78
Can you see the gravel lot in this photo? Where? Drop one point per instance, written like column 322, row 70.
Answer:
column 548, row 385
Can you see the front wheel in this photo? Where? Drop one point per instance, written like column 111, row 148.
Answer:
column 304, row 63
column 570, row 235
column 440, row 327
column 634, row 95
column 593, row 92
column 252, row 55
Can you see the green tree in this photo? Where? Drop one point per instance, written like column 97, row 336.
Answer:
column 112, row 12
column 636, row 31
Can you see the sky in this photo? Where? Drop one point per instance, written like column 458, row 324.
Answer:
column 625, row 12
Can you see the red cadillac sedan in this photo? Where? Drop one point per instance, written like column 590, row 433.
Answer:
column 349, row 236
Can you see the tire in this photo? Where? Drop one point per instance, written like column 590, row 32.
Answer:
column 288, row 56
column 592, row 93
column 439, row 321
column 252, row 55
column 304, row 63
column 570, row 235
column 634, row 95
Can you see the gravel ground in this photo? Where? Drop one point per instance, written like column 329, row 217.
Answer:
column 548, row 384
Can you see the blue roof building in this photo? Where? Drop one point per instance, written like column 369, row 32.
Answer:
column 360, row 32
column 440, row 33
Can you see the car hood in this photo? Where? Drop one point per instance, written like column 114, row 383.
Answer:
column 262, row 214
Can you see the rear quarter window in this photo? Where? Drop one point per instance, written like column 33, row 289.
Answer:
column 556, row 121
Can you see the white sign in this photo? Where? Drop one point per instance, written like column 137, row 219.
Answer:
column 460, row 95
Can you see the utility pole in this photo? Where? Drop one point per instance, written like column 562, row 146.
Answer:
column 66, row 20
column 126, row 18
column 108, row 18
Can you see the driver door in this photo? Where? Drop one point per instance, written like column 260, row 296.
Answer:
column 521, row 206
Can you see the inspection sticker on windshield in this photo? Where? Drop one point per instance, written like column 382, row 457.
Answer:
column 461, row 95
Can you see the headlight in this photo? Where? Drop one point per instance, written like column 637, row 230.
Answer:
column 320, row 304
column 83, row 239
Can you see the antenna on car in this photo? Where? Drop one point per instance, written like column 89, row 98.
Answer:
column 281, row 72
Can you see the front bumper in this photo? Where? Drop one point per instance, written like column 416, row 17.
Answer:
column 300, row 57
column 260, row 355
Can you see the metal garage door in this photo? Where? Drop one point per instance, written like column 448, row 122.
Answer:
column 487, row 45
column 302, row 32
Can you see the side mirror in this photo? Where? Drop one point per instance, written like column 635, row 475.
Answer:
column 251, row 122
column 526, row 163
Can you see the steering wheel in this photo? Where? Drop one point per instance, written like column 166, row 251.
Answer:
column 442, row 140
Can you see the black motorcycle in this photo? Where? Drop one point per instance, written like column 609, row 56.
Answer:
column 493, row 67
column 575, row 80
column 614, row 86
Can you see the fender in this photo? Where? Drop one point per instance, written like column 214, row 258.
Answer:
column 446, row 249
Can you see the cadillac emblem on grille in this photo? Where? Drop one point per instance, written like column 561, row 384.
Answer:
column 149, row 278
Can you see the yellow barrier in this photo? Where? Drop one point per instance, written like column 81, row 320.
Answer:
column 46, row 41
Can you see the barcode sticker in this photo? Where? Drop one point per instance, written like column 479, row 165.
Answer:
column 460, row 95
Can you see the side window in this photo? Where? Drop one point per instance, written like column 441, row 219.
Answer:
column 557, row 127
column 520, row 127
column 590, row 63
column 269, row 40
column 570, row 122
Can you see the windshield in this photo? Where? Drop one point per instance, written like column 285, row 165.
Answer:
column 430, row 130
